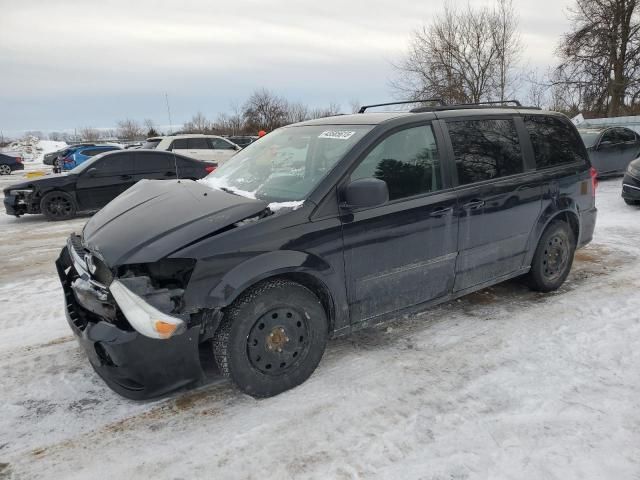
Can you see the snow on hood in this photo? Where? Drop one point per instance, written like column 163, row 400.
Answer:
column 221, row 184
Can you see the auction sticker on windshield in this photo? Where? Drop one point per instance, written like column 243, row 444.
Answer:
column 337, row 134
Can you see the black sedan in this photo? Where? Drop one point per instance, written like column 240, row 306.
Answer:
column 94, row 183
column 10, row 163
column 611, row 148
column 631, row 183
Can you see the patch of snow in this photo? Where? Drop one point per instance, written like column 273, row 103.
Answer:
column 276, row 206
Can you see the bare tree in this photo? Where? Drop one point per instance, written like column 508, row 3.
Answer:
column 297, row 112
column 354, row 105
column 466, row 55
column 329, row 111
column 264, row 111
column 600, row 56
column 538, row 89
column 151, row 128
column 55, row 136
column 198, row 124
column 130, row 130
column 89, row 134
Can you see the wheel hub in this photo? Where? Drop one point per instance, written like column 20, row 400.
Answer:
column 555, row 256
column 278, row 341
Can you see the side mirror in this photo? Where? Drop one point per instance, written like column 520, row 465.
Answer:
column 366, row 192
column 92, row 172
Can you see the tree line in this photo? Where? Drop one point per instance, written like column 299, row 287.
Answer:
column 470, row 54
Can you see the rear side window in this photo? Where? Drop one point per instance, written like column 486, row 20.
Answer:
column 485, row 149
column 625, row 135
column 90, row 152
column 554, row 141
column 407, row 161
column 180, row 144
column 114, row 164
column 199, row 144
column 147, row 162
column 220, row 144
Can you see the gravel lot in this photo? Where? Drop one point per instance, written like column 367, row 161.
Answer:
column 504, row 383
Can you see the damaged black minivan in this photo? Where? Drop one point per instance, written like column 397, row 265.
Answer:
column 316, row 230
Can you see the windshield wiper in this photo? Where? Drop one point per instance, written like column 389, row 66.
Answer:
column 228, row 190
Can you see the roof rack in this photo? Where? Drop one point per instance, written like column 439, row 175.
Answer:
column 461, row 106
column 432, row 100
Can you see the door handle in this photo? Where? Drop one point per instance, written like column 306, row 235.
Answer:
column 473, row 205
column 441, row 212
column 126, row 177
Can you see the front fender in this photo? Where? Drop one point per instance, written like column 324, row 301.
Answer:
column 210, row 288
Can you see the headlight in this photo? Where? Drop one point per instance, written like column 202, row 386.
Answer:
column 634, row 171
column 21, row 192
column 145, row 318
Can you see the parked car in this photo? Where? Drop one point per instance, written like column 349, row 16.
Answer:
column 211, row 148
column 10, row 163
column 94, row 183
column 631, row 183
column 78, row 155
column 365, row 217
column 51, row 157
column 242, row 141
column 611, row 148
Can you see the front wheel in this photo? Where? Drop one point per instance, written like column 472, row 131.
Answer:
column 5, row 169
column 58, row 206
column 271, row 338
column 553, row 258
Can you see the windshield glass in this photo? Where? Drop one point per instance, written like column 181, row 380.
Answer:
column 589, row 137
column 287, row 164
column 150, row 144
column 87, row 163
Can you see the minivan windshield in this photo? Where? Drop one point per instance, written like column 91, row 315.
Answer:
column 287, row 164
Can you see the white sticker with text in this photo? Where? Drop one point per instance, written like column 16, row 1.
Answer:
column 337, row 134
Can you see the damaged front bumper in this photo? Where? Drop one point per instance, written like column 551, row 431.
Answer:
column 18, row 202
column 115, row 327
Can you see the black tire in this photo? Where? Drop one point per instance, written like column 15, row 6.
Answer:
column 633, row 203
column 58, row 205
column 553, row 258
column 271, row 338
column 5, row 169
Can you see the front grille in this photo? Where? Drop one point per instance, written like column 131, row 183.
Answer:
column 102, row 273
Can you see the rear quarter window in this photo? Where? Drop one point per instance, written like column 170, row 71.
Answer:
column 554, row 142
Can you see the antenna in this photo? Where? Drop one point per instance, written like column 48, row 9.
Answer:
column 175, row 160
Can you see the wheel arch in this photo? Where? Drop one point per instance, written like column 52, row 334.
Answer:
column 306, row 269
column 569, row 215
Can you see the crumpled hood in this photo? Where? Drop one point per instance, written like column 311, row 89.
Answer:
column 157, row 217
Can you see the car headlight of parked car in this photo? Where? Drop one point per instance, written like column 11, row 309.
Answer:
column 21, row 194
column 634, row 171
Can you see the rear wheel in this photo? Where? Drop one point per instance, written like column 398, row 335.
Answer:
column 58, row 206
column 272, row 338
column 632, row 202
column 5, row 169
column 553, row 257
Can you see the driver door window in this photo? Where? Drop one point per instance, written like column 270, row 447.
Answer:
column 407, row 161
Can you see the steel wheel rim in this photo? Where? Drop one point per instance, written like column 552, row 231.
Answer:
column 278, row 341
column 5, row 169
column 555, row 257
column 59, row 206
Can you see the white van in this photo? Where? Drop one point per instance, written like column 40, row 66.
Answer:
column 211, row 148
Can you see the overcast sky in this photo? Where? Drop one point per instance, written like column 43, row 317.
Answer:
column 67, row 64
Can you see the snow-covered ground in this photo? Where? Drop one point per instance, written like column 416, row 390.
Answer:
column 31, row 149
column 504, row 383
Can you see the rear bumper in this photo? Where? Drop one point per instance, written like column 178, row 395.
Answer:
column 131, row 364
column 630, row 187
column 587, row 226
column 17, row 166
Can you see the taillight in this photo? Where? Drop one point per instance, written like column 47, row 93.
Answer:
column 209, row 169
column 594, row 180
column 19, row 159
column 67, row 160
